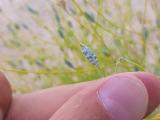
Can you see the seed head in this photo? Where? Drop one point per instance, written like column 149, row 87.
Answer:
column 89, row 54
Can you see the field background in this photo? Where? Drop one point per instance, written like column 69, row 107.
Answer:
column 40, row 40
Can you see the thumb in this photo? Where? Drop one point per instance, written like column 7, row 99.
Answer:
column 5, row 96
column 119, row 97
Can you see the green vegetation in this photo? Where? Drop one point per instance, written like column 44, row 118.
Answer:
column 123, row 36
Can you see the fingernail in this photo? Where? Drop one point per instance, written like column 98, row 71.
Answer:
column 124, row 98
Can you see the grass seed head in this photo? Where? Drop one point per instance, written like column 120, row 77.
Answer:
column 90, row 55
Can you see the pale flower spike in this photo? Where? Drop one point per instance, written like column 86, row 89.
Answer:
column 89, row 54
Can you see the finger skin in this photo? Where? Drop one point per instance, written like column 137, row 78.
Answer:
column 152, row 84
column 5, row 96
column 82, row 106
column 127, row 91
column 43, row 104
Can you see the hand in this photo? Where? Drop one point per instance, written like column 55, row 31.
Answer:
column 125, row 96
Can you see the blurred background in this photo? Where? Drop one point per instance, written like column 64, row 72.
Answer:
column 40, row 40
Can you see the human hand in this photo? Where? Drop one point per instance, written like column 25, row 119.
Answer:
column 125, row 96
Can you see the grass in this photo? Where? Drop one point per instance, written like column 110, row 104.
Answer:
column 46, row 51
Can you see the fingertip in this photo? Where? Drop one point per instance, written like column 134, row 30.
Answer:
column 152, row 84
column 5, row 94
column 124, row 97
